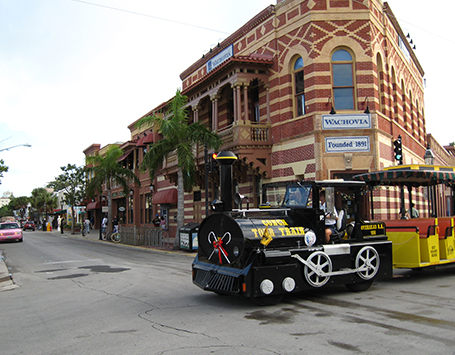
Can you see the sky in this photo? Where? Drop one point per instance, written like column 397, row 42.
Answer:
column 74, row 73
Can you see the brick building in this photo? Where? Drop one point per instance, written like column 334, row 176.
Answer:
column 307, row 89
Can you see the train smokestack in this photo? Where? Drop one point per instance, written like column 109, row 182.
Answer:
column 226, row 159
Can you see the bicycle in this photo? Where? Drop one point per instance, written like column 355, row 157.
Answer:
column 114, row 236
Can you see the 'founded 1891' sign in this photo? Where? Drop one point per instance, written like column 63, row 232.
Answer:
column 347, row 144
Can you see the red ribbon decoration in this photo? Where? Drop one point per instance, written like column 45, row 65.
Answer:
column 218, row 244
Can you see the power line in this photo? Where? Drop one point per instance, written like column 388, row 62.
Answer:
column 150, row 16
column 424, row 30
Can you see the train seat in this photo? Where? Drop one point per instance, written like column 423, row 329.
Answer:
column 426, row 226
column 445, row 227
column 446, row 239
column 341, row 227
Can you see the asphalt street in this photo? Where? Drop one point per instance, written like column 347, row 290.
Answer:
column 79, row 295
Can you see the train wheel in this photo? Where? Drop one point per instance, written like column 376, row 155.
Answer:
column 368, row 260
column 319, row 262
column 360, row 286
column 267, row 300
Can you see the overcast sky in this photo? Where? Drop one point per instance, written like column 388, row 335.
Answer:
column 74, row 72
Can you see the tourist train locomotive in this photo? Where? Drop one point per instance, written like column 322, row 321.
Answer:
column 267, row 252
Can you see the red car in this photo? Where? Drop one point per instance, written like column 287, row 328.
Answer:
column 29, row 225
column 10, row 231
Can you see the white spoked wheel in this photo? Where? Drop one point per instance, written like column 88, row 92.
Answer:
column 368, row 260
column 318, row 263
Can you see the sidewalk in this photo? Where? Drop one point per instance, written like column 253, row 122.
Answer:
column 94, row 236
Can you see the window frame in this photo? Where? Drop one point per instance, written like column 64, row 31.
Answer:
column 297, row 96
column 340, row 88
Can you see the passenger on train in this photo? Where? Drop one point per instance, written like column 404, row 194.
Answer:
column 330, row 218
column 412, row 212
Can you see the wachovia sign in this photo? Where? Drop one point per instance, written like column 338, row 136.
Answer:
column 355, row 121
column 221, row 57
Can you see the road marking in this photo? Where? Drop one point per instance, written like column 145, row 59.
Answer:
column 69, row 261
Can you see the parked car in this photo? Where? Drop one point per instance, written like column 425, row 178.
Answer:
column 10, row 231
column 29, row 225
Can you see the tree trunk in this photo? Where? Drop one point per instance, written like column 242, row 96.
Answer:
column 73, row 222
column 109, row 211
column 180, row 208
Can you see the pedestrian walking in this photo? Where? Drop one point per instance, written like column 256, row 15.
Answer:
column 87, row 225
column 103, row 227
column 62, row 224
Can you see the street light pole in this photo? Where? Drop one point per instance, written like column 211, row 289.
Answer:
column 14, row 146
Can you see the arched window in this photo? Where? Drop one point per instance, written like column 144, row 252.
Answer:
column 343, row 82
column 299, row 89
column 403, row 103
column 395, row 95
column 381, row 85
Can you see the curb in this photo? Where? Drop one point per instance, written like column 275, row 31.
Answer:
column 6, row 279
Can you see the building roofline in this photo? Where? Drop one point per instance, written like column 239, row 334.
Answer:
column 260, row 17
column 388, row 11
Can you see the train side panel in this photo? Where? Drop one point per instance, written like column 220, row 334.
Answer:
column 422, row 242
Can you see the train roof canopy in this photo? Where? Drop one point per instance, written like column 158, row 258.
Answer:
column 410, row 175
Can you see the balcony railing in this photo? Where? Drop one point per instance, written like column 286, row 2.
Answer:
column 246, row 134
column 250, row 134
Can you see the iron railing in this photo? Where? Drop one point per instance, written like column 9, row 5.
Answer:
column 145, row 236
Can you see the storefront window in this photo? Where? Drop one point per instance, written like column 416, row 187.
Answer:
column 121, row 207
column 130, row 209
column 148, row 208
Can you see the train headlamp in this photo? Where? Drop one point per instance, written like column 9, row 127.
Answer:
column 236, row 251
column 310, row 238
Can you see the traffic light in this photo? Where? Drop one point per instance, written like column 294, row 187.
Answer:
column 398, row 150
column 213, row 165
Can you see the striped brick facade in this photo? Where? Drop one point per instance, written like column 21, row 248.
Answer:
column 250, row 98
column 387, row 79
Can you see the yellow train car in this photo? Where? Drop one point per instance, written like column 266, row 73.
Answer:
column 421, row 242
column 417, row 242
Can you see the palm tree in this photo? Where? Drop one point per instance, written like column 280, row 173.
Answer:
column 43, row 201
column 178, row 137
column 107, row 170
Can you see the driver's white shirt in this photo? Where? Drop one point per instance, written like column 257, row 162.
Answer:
column 329, row 221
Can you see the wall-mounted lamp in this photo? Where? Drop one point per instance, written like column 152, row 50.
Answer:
column 131, row 192
column 429, row 156
column 329, row 101
column 367, row 110
column 152, row 187
column 411, row 42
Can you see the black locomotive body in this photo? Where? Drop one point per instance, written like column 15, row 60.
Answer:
column 268, row 252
